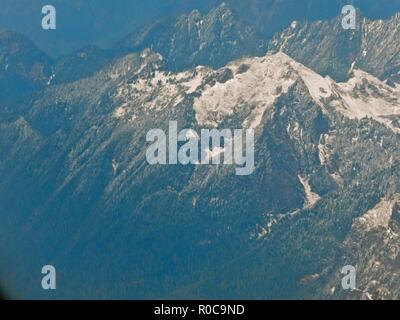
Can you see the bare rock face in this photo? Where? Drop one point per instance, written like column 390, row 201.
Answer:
column 330, row 50
column 193, row 39
column 373, row 248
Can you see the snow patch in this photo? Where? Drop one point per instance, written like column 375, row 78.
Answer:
column 380, row 215
column 366, row 96
column 311, row 197
column 258, row 88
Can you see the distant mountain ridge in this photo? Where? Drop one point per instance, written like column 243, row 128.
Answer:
column 330, row 50
column 94, row 22
column 195, row 39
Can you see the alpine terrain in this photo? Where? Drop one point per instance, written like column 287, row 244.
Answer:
column 77, row 192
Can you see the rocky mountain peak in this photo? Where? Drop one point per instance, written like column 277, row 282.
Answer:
column 223, row 11
column 327, row 48
column 210, row 39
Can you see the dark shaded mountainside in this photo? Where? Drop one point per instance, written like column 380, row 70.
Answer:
column 24, row 68
column 77, row 192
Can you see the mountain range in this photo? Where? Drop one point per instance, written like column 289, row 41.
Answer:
column 101, row 22
column 77, row 192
